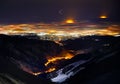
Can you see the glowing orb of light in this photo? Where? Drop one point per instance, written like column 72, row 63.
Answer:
column 103, row 17
column 70, row 21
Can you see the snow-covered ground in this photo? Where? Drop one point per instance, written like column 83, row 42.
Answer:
column 62, row 75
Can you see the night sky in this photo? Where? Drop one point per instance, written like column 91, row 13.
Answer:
column 57, row 10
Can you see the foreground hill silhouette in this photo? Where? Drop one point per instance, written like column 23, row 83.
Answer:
column 28, row 51
column 20, row 55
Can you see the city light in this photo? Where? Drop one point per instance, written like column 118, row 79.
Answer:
column 60, row 32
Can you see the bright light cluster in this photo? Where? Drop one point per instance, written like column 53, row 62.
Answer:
column 59, row 32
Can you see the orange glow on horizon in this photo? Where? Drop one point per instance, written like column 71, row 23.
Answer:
column 103, row 16
column 70, row 21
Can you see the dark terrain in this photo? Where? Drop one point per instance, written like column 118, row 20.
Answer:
column 18, row 51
